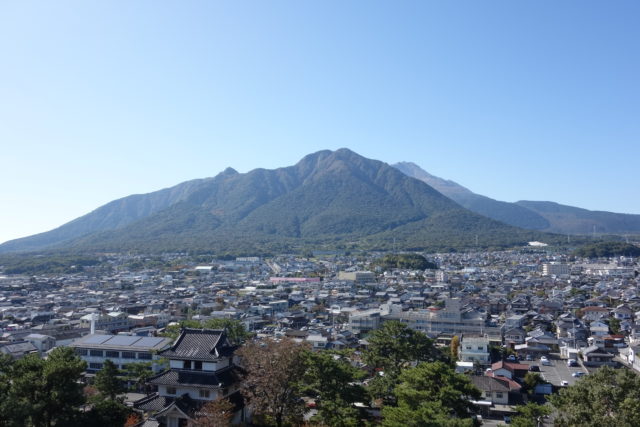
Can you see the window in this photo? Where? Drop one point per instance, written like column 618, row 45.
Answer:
column 144, row 356
column 186, row 364
column 498, row 395
column 82, row 351
column 480, row 347
column 468, row 347
column 204, row 393
column 197, row 365
column 171, row 390
column 96, row 366
column 128, row 355
column 96, row 353
column 114, row 354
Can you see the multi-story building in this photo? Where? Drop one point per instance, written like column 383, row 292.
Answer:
column 364, row 321
column 111, row 322
column 474, row 349
column 201, row 369
column 451, row 319
column 555, row 269
column 122, row 350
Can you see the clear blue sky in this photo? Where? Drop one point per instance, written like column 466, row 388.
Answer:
column 514, row 100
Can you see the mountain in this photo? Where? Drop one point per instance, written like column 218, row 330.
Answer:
column 509, row 213
column 331, row 198
column 113, row 215
column 572, row 220
column 542, row 216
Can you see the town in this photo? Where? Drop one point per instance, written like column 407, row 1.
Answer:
column 521, row 324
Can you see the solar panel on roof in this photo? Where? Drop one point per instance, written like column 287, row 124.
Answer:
column 96, row 339
column 148, row 342
column 123, row 340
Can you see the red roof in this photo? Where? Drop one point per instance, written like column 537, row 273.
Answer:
column 513, row 385
column 509, row 366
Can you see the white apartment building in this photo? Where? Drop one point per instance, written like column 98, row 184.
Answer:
column 555, row 269
column 451, row 319
column 474, row 349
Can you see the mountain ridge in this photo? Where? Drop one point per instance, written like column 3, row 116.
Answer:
column 327, row 198
column 532, row 215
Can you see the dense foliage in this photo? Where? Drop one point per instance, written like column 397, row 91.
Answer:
column 35, row 392
column 432, row 394
column 607, row 397
column 607, row 249
column 391, row 349
column 49, row 263
column 404, row 261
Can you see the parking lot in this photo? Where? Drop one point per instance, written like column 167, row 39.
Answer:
column 558, row 371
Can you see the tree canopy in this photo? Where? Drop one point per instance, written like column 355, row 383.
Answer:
column 108, row 382
column 607, row 249
column 273, row 371
column 331, row 378
column 391, row 349
column 432, row 394
column 607, row 397
column 405, row 261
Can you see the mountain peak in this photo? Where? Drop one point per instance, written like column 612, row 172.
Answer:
column 328, row 197
column 229, row 172
column 445, row 186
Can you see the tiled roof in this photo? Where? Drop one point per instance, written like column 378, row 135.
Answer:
column 199, row 344
column 156, row 403
column 489, row 384
column 175, row 377
column 509, row 366
column 153, row 402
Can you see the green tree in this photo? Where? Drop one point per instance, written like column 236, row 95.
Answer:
column 432, row 394
column 607, row 397
column 404, row 261
column 331, row 378
column 614, row 325
column 236, row 332
column 48, row 392
column 393, row 347
column 8, row 407
column 531, row 380
column 530, row 415
column 138, row 374
column 106, row 413
column 108, row 381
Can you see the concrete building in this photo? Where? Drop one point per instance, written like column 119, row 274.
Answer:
column 120, row 349
column 451, row 319
column 555, row 269
column 474, row 349
column 364, row 321
column 357, row 276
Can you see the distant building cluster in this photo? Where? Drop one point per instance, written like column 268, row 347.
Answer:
column 506, row 314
